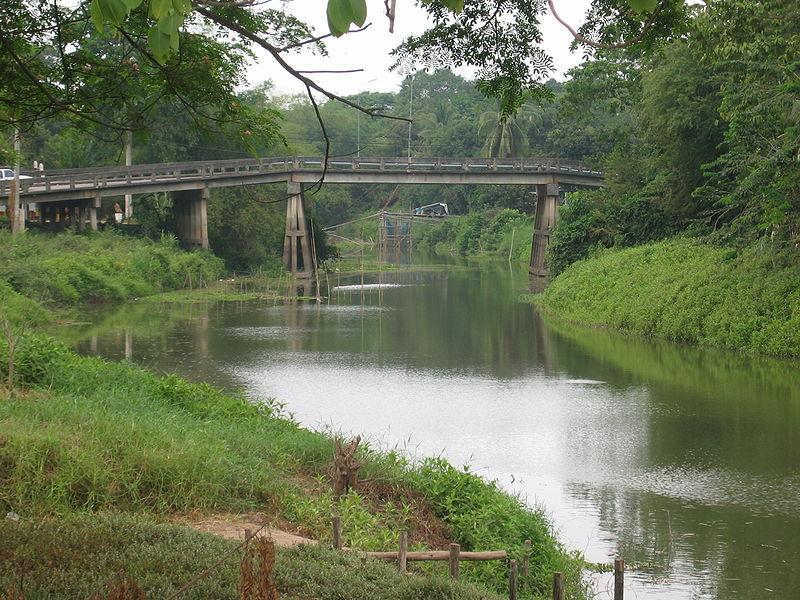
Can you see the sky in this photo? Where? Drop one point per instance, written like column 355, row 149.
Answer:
column 370, row 49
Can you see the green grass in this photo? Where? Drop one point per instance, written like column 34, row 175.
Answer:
column 86, row 436
column 100, row 267
column 686, row 291
column 77, row 556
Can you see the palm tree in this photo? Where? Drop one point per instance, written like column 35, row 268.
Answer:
column 507, row 135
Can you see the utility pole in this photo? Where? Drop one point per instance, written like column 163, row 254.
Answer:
column 15, row 208
column 128, row 163
column 410, row 113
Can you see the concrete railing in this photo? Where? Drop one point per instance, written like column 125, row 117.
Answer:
column 119, row 176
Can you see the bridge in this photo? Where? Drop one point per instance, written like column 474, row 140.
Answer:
column 76, row 194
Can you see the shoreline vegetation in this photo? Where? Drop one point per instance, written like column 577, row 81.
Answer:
column 685, row 291
column 97, row 459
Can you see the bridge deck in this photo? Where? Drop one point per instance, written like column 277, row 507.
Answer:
column 73, row 184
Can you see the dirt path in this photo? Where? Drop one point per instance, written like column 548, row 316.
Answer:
column 232, row 527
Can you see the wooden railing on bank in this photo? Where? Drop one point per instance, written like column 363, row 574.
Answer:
column 454, row 556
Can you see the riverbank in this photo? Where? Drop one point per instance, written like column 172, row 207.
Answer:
column 686, row 291
column 95, row 448
column 506, row 234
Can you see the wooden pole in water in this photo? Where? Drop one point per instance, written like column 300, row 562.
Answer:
column 337, row 532
column 455, row 550
column 558, row 586
column 619, row 579
column 403, row 551
column 512, row 581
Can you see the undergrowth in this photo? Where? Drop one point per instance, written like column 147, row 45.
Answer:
column 78, row 556
column 100, row 266
column 505, row 233
column 686, row 291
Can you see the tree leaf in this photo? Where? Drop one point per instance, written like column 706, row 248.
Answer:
column 643, row 5
column 98, row 18
column 183, row 7
column 160, row 8
column 358, row 9
column 340, row 15
column 132, row 4
column 114, row 11
column 159, row 43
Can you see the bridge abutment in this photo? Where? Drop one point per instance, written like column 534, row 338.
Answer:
column 191, row 217
column 296, row 242
column 545, row 219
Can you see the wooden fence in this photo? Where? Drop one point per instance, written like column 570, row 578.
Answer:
column 454, row 556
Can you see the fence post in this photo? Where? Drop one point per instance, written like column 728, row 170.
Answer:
column 401, row 555
column 512, row 581
column 526, row 558
column 619, row 579
column 337, row 532
column 455, row 550
column 558, row 586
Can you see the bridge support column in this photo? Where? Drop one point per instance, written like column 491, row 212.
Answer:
column 94, row 204
column 296, row 243
column 545, row 220
column 191, row 217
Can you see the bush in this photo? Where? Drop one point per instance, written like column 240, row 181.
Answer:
column 591, row 220
column 100, row 267
column 478, row 233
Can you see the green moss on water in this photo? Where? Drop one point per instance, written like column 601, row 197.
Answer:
column 686, row 291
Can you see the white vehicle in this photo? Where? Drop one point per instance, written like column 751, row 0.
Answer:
column 8, row 175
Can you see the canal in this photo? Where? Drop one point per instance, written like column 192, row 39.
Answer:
column 683, row 461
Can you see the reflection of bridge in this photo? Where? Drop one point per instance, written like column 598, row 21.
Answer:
column 77, row 193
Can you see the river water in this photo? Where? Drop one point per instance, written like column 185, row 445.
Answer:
column 683, row 461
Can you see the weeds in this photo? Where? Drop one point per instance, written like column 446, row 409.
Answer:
column 256, row 578
column 100, row 267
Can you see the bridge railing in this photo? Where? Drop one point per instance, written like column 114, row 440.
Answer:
column 121, row 176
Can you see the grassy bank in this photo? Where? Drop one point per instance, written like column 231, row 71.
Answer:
column 85, row 436
column 68, row 268
column 686, row 291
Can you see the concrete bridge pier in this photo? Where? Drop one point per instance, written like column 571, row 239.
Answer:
column 546, row 215
column 296, row 242
column 191, row 217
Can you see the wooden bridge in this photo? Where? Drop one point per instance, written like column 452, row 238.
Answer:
column 81, row 190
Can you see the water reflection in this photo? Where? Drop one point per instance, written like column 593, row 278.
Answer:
column 684, row 461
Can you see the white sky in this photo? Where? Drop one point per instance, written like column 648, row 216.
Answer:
column 370, row 49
